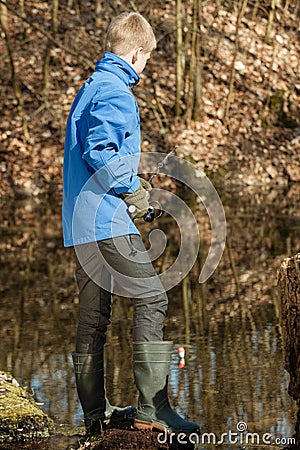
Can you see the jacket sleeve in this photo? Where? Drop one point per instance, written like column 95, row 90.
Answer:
column 111, row 121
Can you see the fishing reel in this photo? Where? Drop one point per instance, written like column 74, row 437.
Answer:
column 154, row 212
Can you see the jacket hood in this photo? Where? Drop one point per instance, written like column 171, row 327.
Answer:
column 113, row 63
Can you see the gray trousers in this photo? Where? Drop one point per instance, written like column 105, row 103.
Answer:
column 117, row 266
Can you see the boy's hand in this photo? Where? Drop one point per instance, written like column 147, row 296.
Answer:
column 138, row 201
column 145, row 184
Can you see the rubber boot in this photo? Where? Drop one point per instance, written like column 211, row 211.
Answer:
column 98, row 412
column 151, row 362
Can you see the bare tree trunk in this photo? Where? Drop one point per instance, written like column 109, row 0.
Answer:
column 84, row 59
column 270, row 20
column 286, row 7
column 194, row 83
column 241, row 11
column 77, row 7
column 14, row 77
column 218, row 7
column 254, row 12
column 192, row 67
column 198, row 81
column 98, row 7
column 297, row 9
column 3, row 15
column 289, row 293
column 22, row 11
column 47, row 57
column 179, row 71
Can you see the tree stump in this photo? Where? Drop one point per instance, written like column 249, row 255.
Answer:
column 133, row 439
column 289, row 292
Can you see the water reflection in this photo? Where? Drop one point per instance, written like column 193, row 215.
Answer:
column 229, row 326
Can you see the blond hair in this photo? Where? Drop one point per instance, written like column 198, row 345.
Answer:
column 128, row 31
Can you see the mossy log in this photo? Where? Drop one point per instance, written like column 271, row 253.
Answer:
column 20, row 419
column 289, row 292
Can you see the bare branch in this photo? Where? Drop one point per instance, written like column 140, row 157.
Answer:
column 83, row 60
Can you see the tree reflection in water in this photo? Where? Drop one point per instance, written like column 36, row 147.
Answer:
column 229, row 326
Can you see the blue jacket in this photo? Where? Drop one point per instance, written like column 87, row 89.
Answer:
column 101, row 155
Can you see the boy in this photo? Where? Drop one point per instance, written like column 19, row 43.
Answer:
column 101, row 186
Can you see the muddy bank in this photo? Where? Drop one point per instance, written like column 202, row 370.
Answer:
column 133, row 439
column 20, row 418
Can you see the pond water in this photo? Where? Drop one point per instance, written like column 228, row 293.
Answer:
column 229, row 326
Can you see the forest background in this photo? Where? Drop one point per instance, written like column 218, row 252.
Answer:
column 223, row 86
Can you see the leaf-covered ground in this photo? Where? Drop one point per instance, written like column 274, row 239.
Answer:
column 258, row 143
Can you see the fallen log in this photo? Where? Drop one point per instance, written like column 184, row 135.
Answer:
column 289, row 293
